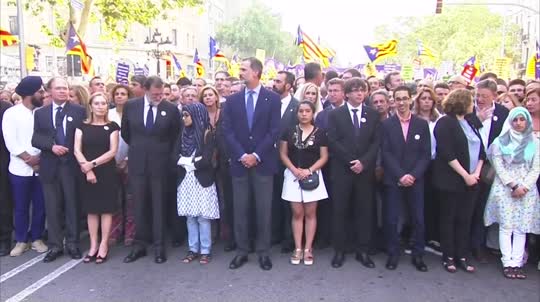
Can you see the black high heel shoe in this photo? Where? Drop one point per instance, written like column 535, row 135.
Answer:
column 101, row 260
column 88, row 258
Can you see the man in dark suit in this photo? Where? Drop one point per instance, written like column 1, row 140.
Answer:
column 406, row 153
column 281, row 210
column 251, row 128
column 6, row 204
column 54, row 131
column 150, row 126
column 353, row 136
column 488, row 117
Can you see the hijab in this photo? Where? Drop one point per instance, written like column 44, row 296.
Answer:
column 193, row 136
column 514, row 146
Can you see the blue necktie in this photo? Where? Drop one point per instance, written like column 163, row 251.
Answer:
column 59, row 125
column 355, row 121
column 250, row 108
column 150, row 118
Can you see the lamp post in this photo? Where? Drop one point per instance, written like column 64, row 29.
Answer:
column 156, row 52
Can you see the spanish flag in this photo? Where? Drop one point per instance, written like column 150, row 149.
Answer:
column 7, row 38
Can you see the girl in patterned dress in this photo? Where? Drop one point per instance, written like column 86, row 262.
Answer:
column 513, row 202
column 197, row 198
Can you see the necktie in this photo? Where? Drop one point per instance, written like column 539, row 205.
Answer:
column 59, row 125
column 149, row 118
column 355, row 120
column 250, row 108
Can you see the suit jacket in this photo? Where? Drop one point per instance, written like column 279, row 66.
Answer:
column 206, row 172
column 150, row 151
column 290, row 117
column 45, row 133
column 451, row 144
column 262, row 137
column 497, row 121
column 322, row 118
column 402, row 157
column 4, row 153
column 345, row 146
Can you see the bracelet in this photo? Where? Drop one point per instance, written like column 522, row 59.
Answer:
column 515, row 187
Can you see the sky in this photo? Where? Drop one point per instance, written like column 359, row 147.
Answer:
column 346, row 25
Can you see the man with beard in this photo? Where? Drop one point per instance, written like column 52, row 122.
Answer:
column 18, row 127
column 281, row 211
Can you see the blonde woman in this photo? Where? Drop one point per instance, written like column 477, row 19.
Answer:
column 508, row 100
column 79, row 95
column 310, row 92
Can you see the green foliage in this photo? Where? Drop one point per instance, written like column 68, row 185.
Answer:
column 455, row 35
column 256, row 28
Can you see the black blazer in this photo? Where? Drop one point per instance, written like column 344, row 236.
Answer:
column 451, row 144
column 206, row 172
column 497, row 121
column 150, row 151
column 345, row 146
column 45, row 133
column 4, row 153
column 290, row 117
column 402, row 157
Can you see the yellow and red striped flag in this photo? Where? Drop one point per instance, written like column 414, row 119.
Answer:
column 7, row 38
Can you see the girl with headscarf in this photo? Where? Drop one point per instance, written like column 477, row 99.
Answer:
column 513, row 202
column 197, row 198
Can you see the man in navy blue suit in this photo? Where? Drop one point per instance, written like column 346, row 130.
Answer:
column 406, row 153
column 251, row 127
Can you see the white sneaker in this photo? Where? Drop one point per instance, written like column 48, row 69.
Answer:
column 39, row 246
column 19, row 249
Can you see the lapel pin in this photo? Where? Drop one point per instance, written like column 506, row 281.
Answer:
column 495, row 118
column 363, row 120
column 163, row 113
column 106, row 128
column 70, row 119
column 417, row 137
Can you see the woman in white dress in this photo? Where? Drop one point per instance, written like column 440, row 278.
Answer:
column 513, row 202
column 303, row 150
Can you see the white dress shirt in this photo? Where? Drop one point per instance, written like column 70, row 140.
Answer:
column 486, row 128
column 285, row 103
column 18, row 127
column 54, row 106
column 358, row 113
column 146, row 107
column 256, row 92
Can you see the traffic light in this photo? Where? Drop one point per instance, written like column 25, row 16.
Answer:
column 438, row 8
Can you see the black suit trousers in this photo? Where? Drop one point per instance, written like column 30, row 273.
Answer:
column 352, row 193
column 6, row 207
column 149, row 193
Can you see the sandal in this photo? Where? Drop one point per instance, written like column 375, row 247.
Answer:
column 101, row 260
column 296, row 257
column 205, row 259
column 466, row 266
column 509, row 272
column 190, row 257
column 308, row 257
column 449, row 265
column 519, row 274
column 89, row 258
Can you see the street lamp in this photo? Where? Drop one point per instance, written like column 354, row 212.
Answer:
column 155, row 52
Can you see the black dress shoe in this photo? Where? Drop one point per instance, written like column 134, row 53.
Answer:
column 74, row 252
column 238, row 261
column 134, row 255
column 5, row 247
column 229, row 246
column 392, row 262
column 265, row 263
column 418, row 262
column 365, row 260
column 337, row 261
column 52, row 255
column 160, row 257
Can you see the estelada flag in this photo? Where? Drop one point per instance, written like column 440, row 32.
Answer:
column 7, row 38
column 75, row 46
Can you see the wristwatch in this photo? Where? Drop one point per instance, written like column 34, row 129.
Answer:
column 94, row 163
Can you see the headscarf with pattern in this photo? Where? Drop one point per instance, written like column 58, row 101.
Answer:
column 193, row 136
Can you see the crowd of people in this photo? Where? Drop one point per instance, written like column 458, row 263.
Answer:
column 361, row 165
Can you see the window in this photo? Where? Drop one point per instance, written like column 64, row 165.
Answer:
column 174, row 35
column 13, row 25
column 48, row 64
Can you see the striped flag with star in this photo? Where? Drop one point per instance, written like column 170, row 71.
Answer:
column 199, row 67
column 311, row 50
column 75, row 46
column 381, row 50
column 424, row 51
column 7, row 38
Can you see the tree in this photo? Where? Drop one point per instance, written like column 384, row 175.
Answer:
column 455, row 35
column 258, row 28
column 117, row 15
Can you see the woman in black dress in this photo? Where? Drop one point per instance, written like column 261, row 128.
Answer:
column 96, row 143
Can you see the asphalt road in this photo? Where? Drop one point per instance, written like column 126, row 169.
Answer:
column 143, row 280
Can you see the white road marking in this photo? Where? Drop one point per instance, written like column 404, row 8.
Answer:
column 21, row 267
column 44, row 281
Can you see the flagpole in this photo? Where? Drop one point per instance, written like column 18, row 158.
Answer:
column 22, row 57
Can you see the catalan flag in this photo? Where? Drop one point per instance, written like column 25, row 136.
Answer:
column 424, row 51
column 311, row 50
column 199, row 67
column 181, row 71
column 7, row 38
column 75, row 46
column 381, row 50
